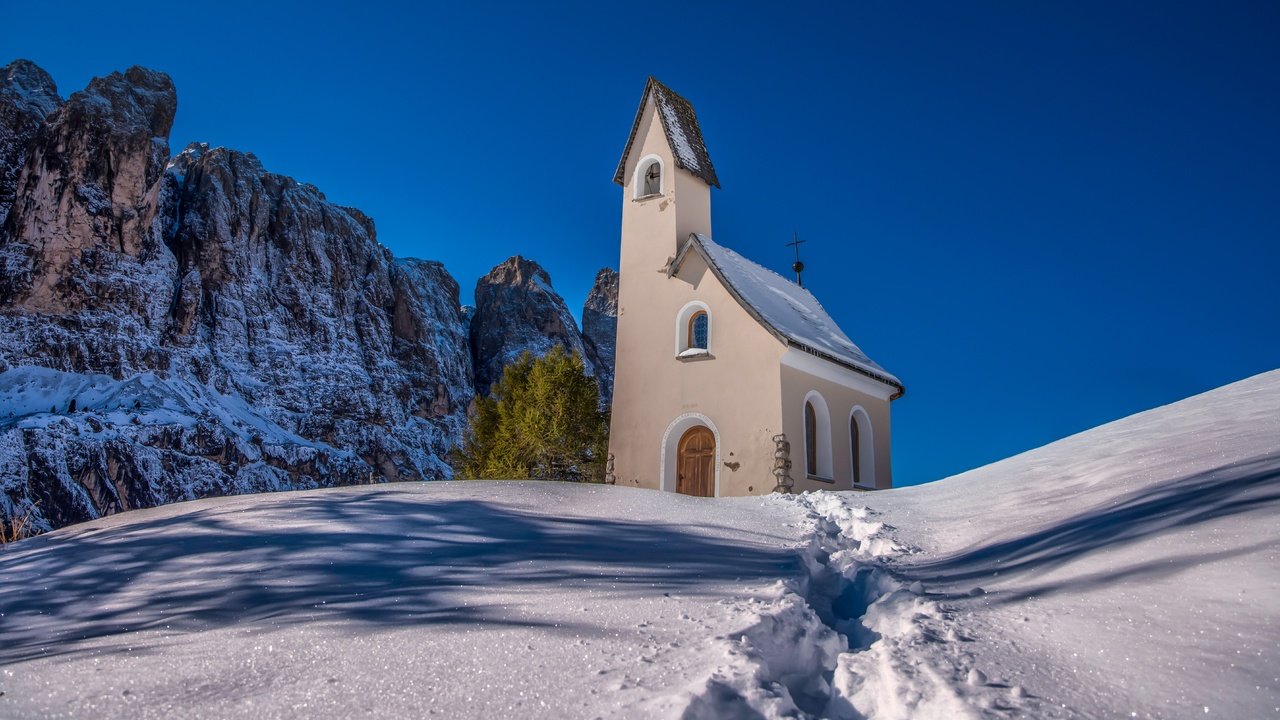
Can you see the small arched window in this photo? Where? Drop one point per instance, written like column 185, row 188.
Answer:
column 698, row 330
column 817, row 437
column 810, row 439
column 693, row 331
column 648, row 180
column 855, row 445
column 862, row 448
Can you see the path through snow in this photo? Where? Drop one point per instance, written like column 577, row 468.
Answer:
column 1130, row 571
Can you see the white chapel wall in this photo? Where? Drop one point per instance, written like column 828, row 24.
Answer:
column 840, row 399
column 735, row 386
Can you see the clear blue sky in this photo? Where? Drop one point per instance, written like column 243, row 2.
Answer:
column 1041, row 216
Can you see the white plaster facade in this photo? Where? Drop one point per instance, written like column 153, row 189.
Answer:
column 751, row 382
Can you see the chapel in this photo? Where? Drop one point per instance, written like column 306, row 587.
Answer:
column 729, row 378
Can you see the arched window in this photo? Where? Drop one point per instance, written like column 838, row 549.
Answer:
column 698, row 330
column 862, row 448
column 693, row 331
column 648, row 181
column 853, row 445
column 810, row 439
column 817, row 437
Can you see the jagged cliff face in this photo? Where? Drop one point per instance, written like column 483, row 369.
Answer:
column 600, row 329
column 223, row 329
column 85, row 276
column 27, row 96
column 517, row 311
column 176, row 328
column 289, row 301
column 86, row 196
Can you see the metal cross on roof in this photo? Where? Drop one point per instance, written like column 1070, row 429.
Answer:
column 797, row 265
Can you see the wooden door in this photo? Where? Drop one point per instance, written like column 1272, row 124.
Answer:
column 696, row 463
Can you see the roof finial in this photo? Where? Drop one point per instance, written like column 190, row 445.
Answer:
column 797, row 265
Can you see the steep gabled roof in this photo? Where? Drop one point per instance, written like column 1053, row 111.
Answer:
column 680, row 123
column 785, row 309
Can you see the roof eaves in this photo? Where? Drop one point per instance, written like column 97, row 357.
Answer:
column 851, row 366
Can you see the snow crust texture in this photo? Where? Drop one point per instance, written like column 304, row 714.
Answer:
column 1132, row 570
column 462, row 599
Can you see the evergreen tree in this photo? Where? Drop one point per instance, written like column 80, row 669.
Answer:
column 541, row 421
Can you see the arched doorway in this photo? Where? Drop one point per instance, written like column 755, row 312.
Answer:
column 696, row 463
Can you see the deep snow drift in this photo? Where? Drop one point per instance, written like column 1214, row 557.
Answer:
column 1130, row 571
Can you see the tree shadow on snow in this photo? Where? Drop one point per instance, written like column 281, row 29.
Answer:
column 381, row 559
column 1249, row 486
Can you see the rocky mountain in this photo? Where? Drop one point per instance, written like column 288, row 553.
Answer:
column 516, row 311
column 27, row 96
column 600, row 329
column 202, row 326
column 189, row 326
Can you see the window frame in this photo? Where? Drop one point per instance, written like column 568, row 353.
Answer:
column 862, row 449
column 638, row 181
column 684, row 349
column 818, row 440
column 810, row 439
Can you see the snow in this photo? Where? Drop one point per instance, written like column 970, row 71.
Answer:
column 787, row 307
column 466, row 599
column 679, row 139
column 1129, row 571
column 28, row 395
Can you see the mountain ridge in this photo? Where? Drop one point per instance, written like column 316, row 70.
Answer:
column 227, row 285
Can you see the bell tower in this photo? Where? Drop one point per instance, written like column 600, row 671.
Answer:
column 666, row 177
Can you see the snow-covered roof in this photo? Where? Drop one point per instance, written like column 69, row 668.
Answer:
column 784, row 308
column 680, row 123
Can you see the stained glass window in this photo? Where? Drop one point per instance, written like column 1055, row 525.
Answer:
column 698, row 331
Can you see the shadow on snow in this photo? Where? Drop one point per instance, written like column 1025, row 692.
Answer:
column 382, row 559
column 1248, row 486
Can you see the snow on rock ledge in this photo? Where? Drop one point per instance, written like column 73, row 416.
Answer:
column 74, row 447
column 228, row 286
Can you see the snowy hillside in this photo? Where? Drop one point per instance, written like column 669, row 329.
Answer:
column 1129, row 571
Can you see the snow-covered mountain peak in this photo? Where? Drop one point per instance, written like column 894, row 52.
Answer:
column 23, row 82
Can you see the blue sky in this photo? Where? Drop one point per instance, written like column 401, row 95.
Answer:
column 1041, row 216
